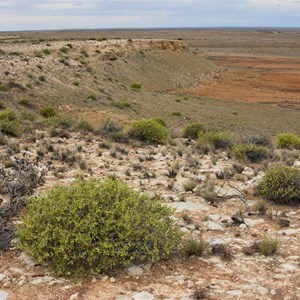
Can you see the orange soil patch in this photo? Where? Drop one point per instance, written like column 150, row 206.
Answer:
column 270, row 85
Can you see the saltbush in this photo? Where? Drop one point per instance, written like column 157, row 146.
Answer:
column 281, row 184
column 149, row 130
column 288, row 141
column 213, row 140
column 251, row 152
column 92, row 226
column 192, row 131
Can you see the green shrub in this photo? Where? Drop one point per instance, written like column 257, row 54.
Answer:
column 92, row 97
column 46, row 51
column 10, row 124
column 160, row 121
column 149, row 130
column 59, row 122
column 136, row 86
column 2, row 105
column 176, row 113
column 251, row 152
column 288, row 140
column 94, row 226
column 121, row 104
column 213, row 140
column 4, row 87
column 42, row 78
column 192, row 131
column 281, row 185
column 48, row 112
column 25, row 102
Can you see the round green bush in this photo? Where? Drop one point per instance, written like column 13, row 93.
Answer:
column 251, row 152
column 48, row 112
column 288, row 141
column 192, row 131
column 149, row 130
column 281, row 185
column 94, row 226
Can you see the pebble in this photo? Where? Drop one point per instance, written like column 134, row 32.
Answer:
column 135, row 271
column 42, row 279
column 74, row 296
column 112, row 279
column 2, row 277
column 212, row 226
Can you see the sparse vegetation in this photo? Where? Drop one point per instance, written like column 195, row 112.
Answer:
column 136, row 86
column 48, row 112
column 121, row 104
column 94, row 226
column 194, row 247
column 213, row 140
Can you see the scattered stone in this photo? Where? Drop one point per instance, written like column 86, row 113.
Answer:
column 283, row 222
column 135, row 271
column 112, row 279
column 44, row 279
column 2, row 277
column 212, row 226
column 74, row 296
column 215, row 217
column 24, row 257
column 143, row 296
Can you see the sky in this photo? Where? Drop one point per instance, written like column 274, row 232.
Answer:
column 73, row 14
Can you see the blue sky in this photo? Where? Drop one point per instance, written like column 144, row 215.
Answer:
column 73, row 14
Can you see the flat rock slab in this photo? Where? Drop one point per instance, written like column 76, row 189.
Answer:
column 3, row 295
column 182, row 206
column 143, row 296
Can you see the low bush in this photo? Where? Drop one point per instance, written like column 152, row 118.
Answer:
column 149, row 130
column 136, row 86
column 257, row 139
column 213, row 140
column 281, row 184
column 192, row 131
column 288, row 141
column 194, row 247
column 94, row 226
column 48, row 112
column 121, row 104
column 84, row 126
column 251, row 152
column 10, row 123
column 110, row 128
column 160, row 121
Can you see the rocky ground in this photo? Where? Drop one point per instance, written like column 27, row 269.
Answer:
column 233, row 273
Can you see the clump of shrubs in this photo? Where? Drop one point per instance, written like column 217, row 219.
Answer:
column 10, row 123
column 288, row 141
column 149, row 130
column 281, row 184
column 192, row 131
column 251, row 152
column 94, row 226
column 213, row 140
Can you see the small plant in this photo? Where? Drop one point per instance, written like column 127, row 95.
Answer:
column 48, row 112
column 94, row 226
column 75, row 82
column 192, row 131
column 257, row 139
column 84, row 126
column 251, row 152
column 281, row 185
column 42, row 78
column 269, row 245
column 121, row 104
column 221, row 250
column 189, row 186
column 288, row 141
column 149, row 130
column 262, row 207
column 25, row 102
column 46, row 51
column 173, row 171
column 110, row 128
column 10, row 123
column 194, row 247
column 64, row 50
column 3, row 87
column 92, row 97
column 136, row 86
column 176, row 113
